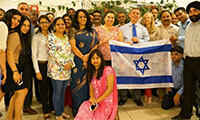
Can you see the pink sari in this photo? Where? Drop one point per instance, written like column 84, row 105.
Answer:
column 107, row 108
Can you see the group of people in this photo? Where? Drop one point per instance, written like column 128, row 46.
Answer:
column 73, row 51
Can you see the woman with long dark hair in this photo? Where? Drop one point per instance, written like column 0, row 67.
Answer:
column 103, row 90
column 40, row 59
column 61, row 60
column 83, row 39
column 68, row 20
column 15, row 46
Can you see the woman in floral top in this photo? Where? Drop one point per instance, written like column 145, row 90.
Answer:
column 59, row 65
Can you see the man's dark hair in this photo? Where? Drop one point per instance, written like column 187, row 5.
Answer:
column 97, row 11
column 70, row 9
column 165, row 11
column 22, row 3
column 180, row 8
column 154, row 8
column 120, row 13
column 178, row 49
column 50, row 14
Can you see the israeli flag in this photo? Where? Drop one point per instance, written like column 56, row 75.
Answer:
column 144, row 65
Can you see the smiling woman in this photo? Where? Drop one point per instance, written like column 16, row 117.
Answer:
column 83, row 39
column 103, row 90
column 61, row 60
column 108, row 32
column 19, row 32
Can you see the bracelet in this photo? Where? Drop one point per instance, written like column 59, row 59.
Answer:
column 15, row 71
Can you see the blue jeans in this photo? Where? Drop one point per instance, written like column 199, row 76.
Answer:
column 59, row 95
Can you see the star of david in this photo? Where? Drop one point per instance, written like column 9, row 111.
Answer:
column 145, row 62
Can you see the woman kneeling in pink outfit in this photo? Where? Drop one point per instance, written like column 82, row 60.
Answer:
column 103, row 91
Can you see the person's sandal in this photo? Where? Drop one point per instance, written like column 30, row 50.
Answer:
column 47, row 118
column 66, row 116
column 60, row 118
column 53, row 112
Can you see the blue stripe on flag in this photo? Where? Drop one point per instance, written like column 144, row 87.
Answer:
column 145, row 50
column 144, row 80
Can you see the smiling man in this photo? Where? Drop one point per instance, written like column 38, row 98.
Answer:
column 134, row 33
column 167, row 29
column 97, row 17
column 191, row 70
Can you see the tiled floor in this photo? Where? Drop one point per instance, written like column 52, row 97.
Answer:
column 129, row 111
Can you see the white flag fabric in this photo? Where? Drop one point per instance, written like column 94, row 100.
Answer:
column 144, row 65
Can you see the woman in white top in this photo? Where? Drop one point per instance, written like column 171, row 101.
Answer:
column 40, row 59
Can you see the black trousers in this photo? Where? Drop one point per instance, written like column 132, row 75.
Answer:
column 168, row 99
column 45, row 89
column 191, row 73
column 27, row 77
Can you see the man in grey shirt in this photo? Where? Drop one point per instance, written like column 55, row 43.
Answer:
column 134, row 33
column 191, row 71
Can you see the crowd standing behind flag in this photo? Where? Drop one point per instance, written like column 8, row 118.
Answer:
column 84, row 34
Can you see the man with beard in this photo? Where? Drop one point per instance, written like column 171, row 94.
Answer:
column 167, row 29
column 183, row 18
column 191, row 71
column 71, row 12
column 97, row 18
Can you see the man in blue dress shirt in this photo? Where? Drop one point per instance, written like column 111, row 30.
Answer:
column 172, row 98
column 134, row 33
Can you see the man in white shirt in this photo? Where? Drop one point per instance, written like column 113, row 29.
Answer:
column 134, row 33
column 191, row 71
column 183, row 18
column 167, row 29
